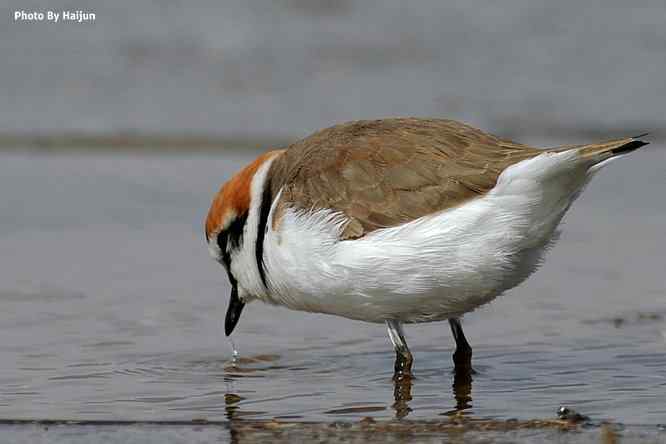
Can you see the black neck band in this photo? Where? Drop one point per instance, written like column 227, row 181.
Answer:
column 264, row 210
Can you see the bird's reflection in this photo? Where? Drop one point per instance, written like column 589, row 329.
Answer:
column 461, row 388
column 402, row 394
column 402, row 389
column 231, row 401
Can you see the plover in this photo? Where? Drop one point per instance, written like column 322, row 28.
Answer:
column 395, row 221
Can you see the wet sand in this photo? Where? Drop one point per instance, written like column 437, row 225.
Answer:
column 366, row 430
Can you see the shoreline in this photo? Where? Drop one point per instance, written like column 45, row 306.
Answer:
column 206, row 142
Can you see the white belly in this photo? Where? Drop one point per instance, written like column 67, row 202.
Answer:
column 432, row 268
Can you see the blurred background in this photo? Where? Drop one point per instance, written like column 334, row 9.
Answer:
column 115, row 134
column 285, row 68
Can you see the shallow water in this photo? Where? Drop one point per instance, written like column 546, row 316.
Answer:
column 112, row 309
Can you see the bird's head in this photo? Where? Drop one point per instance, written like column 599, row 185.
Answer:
column 231, row 232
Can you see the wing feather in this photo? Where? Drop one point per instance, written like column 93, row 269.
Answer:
column 383, row 173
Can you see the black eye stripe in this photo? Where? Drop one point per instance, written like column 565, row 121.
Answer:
column 230, row 239
column 222, row 244
column 235, row 232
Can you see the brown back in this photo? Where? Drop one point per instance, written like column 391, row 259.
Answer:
column 383, row 173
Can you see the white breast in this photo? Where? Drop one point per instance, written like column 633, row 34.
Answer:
column 432, row 268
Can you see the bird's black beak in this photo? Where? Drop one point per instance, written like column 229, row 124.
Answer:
column 234, row 310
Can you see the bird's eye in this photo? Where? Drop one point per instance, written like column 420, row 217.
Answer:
column 235, row 232
column 231, row 239
column 225, row 257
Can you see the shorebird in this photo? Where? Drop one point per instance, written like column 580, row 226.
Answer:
column 395, row 221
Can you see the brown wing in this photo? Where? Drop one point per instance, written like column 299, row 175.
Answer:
column 383, row 173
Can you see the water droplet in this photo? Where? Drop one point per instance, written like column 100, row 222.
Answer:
column 234, row 352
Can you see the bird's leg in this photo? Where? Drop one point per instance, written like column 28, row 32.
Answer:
column 462, row 357
column 403, row 357
column 462, row 363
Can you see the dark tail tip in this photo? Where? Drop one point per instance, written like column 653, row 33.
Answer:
column 629, row 147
